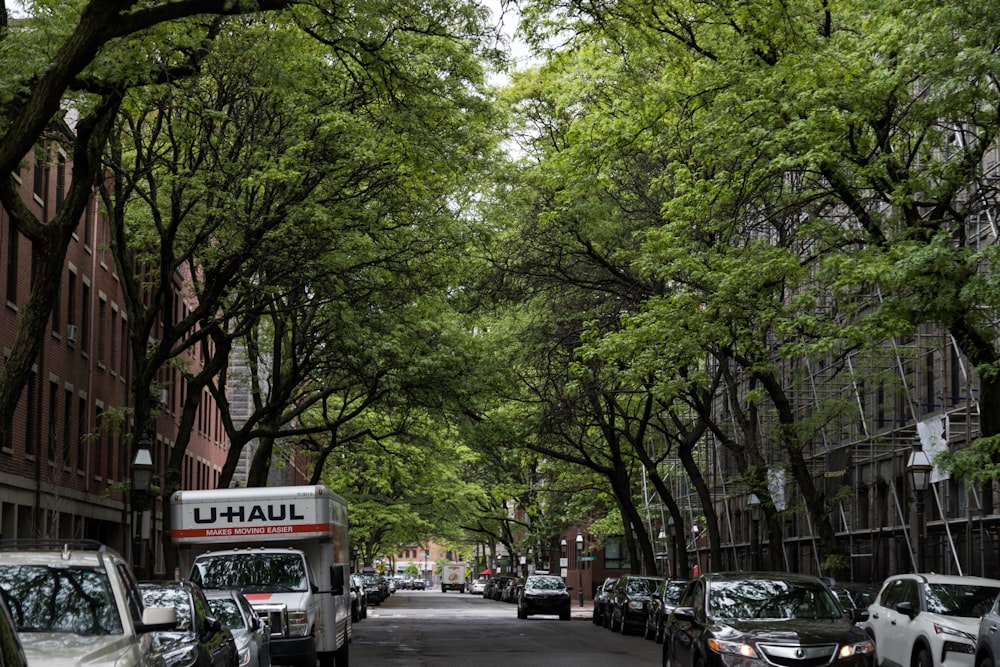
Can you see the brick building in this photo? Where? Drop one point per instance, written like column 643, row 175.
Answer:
column 66, row 473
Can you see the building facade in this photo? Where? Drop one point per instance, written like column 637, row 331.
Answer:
column 68, row 470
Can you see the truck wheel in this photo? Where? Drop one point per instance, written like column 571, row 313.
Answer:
column 341, row 657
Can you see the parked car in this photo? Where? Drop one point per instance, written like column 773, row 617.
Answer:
column 600, row 615
column 662, row 602
column 763, row 619
column 543, row 594
column 510, row 590
column 373, row 591
column 419, row 584
column 500, row 587
column 199, row 639
column 988, row 637
column 359, row 599
column 478, row 586
column 929, row 619
column 251, row 634
column 853, row 595
column 628, row 602
column 77, row 602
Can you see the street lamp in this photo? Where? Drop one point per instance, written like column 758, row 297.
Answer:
column 142, row 478
column 671, row 560
column 918, row 468
column 579, row 562
column 697, row 556
column 753, row 504
column 426, row 578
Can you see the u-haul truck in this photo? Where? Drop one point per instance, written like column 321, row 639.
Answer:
column 286, row 548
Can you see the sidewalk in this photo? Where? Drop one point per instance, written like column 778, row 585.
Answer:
column 585, row 612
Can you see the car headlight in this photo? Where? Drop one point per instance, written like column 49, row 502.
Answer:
column 736, row 648
column 636, row 605
column 298, row 624
column 851, row 650
column 954, row 632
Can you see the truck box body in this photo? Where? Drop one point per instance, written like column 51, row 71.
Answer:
column 453, row 577
column 286, row 549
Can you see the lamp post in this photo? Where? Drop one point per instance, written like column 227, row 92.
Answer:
column 142, row 477
column 753, row 504
column 918, row 468
column 694, row 537
column 672, row 549
column 426, row 578
column 579, row 562
column 662, row 539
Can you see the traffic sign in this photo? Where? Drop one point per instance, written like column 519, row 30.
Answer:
column 588, row 557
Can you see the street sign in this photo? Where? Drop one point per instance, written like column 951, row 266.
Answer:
column 588, row 557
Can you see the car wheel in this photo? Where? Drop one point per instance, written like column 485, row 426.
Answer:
column 564, row 616
column 658, row 636
column 521, row 613
column 606, row 618
column 648, row 632
column 615, row 625
column 594, row 618
column 923, row 659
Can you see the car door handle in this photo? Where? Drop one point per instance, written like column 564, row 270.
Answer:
column 993, row 628
column 874, row 615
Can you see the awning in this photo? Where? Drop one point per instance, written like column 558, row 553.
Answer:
column 487, row 571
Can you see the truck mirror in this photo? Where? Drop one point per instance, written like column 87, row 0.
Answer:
column 337, row 579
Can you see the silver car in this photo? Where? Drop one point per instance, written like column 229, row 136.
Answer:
column 251, row 633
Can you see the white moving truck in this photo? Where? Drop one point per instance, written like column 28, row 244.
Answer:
column 453, row 577
column 286, row 548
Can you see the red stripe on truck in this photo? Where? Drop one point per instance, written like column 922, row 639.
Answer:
column 244, row 531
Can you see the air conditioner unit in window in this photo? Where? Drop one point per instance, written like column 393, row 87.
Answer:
column 71, row 332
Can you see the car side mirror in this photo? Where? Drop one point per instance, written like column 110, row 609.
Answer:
column 906, row 608
column 158, row 619
column 337, row 579
column 684, row 614
column 859, row 615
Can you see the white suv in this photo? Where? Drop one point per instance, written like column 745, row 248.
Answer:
column 77, row 602
column 929, row 620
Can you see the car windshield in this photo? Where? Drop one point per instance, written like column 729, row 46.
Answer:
column 60, row 599
column 772, row 600
column 160, row 596
column 251, row 572
column 226, row 611
column 647, row 586
column 545, row 583
column 672, row 591
column 960, row 599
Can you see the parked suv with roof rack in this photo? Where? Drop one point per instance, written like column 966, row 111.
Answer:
column 926, row 620
column 77, row 602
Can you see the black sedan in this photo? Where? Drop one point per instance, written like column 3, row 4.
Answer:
column 543, row 594
column 663, row 601
column 764, row 619
column 200, row 638
column 628, row 602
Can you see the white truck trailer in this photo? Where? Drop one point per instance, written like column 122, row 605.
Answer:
column 287, row 550
column 453, row 577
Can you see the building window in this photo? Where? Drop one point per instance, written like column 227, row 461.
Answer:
column 67, row 428
column 81, row 434
column 615, row 555
column 13, row 237
column 60, row 181
column 30, row 434
column 53, row 419
column 71, row 320
column 85, row 317
column 38, row 177
column 102, row 307
column 113, row 355
column 57, row 311
column 98, row 443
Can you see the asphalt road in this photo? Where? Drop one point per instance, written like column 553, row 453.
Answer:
column 434, row 629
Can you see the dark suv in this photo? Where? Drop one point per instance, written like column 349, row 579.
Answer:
column 628, row 602
column 763, row 619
